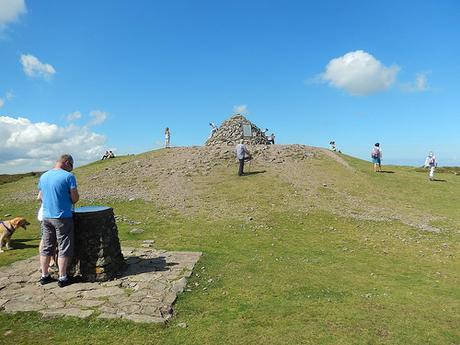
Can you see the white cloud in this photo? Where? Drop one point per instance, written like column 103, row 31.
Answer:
column 33, row 67
column 98, row 117
column 9, row 95
column 73, row 116
column 2, row 102
column 28, row 146
column 359, row 73
column 241, row 109
column 10, row 10
column 419, row 85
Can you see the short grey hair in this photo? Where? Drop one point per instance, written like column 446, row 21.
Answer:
column 65, row 158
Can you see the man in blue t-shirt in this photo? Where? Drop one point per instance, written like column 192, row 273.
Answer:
column 58, row 192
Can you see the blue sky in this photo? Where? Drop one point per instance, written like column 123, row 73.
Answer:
column 85, row 76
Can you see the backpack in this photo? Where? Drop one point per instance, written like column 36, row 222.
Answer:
column 375, row 152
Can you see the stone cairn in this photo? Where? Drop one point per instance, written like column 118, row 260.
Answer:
column 231, row 132
column 98, row 254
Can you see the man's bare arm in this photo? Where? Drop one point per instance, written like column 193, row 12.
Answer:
column 74, row 196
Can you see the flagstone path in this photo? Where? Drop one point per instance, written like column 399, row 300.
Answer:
column 145, row 291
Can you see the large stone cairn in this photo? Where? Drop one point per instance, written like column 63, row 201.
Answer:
column 98, row 254
column 231, row 132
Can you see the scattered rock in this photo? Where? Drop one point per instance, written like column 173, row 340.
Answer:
column 136, row 231
column 182, row 325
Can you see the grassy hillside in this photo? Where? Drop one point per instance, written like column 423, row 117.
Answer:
column 310, row 248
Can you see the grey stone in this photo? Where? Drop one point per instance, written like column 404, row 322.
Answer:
column 14, row 306
column 109, row 316
column 103, row 292
column 179, row 285
column 130, row 308
column 76, row 312
column 182, row 325
column 87, row 303
column 3, row 302
column 136, row 231
column 139, row 318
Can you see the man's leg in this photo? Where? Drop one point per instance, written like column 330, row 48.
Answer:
column 47, row 248
column 241, row 168
column 431, row 173
column 65, row 238
column 44, row 265
column 63, row 262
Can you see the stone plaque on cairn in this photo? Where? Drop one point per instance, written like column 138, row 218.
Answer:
column 98, row 254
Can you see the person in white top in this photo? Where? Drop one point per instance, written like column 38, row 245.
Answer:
column 431, row 163
column 242, row 154
column 214, row 129
column 167, row 137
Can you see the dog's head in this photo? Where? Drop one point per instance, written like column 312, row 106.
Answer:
column 19, row 222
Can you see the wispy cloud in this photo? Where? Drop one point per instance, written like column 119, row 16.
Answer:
column 98, row 117
column 9, row 95
column 32, row 146
column 241, row 109
column 33, row 67
column 10, row 10
column 73, row 116
column 359, row 74
column 420, row 84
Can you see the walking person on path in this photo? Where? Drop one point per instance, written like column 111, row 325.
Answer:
column 376, row 155
column 431, row 163
column 167, row 137
column 242, row 154
column 58, row 193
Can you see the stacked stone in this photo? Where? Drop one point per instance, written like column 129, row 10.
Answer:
column 98, row 254
column 231, row 132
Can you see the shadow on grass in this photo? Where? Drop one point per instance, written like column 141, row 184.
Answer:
column 254, row 172
column 438, row 180
column 18, row 243
column 387, row 171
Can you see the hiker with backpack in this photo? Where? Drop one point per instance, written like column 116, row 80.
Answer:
column 431, row 163
column 376, row 155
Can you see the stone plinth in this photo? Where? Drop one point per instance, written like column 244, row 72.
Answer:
column 98, row 254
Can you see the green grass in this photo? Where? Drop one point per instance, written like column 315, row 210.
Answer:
column 287, row 276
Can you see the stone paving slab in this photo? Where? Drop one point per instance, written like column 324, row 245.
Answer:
column 145, row 291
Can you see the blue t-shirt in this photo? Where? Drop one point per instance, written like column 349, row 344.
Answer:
column 55, row 186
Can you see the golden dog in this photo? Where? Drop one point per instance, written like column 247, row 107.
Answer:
column 7, row 229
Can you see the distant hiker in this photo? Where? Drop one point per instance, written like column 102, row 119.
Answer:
column 431, row 163
column 376, row 155
column 167, row 137
column 105, row 156
column 271, row 139
column 333, row 147
column 242, row 154
column 265, row 131
column 214, row 129
column 111, row 154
